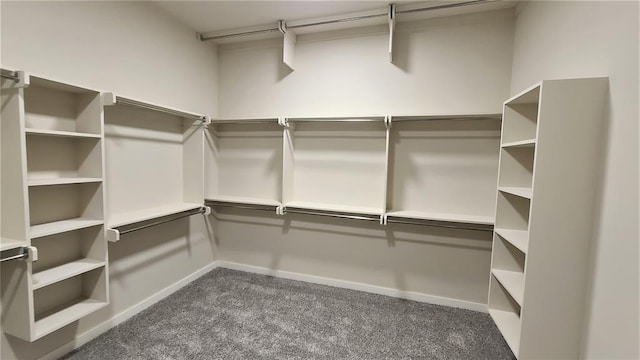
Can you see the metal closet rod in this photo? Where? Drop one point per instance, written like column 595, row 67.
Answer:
column 154, row 223
column 24, row 253
column 11, row 75
column 339, row 119
column 331, row 214
column 130, row 102
column 384, row 12
column 245, row 121
column 241, row 206
column 440, row 224
column 447, row 117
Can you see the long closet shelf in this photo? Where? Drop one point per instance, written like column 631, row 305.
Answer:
column 444, row 217
column 63, row 181
column 65, row 271
column 517, row 238
column 57, row 133
column 448, row 117
column 68, row 314
column 133, row 217
column 10, row 244
column 362, row 210
column 520, row 143
column 339, row 119
column 513, row 282
column 61, row 226
column 243, row 200
column 524, row 192
column 509, row 325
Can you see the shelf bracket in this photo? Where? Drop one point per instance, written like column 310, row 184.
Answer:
column 284, row 122
column 206, row 210
column 387, row 121
column 288, row 44
column 113, row 235
column 108, row 98
column 383, row 219
column 392, row 28
column 280, row 210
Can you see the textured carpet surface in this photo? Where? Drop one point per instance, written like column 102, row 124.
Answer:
column 229, row 314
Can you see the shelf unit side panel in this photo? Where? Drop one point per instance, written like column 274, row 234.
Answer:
column 445, row 167
column 340, row 164
column 143, row 159
column 212, row 168
column 560, row 231
column 193, row 162
column 17, row 299
column 89, row 110
column 13, row 186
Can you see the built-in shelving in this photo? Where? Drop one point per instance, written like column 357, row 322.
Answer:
column 243, row 200
column 57, row 133
column 63, row 181
column 133, row 217
column 336, row 208
column 540, row 247
column 69, row 313
column 456, row 218
column 61, row 226
column 64, row 271
column 9, row 244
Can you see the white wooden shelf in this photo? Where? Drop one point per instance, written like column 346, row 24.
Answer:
column 63, row 272
column 509, row 325
column 458, row 218
column 63, row 181
column 513, row 282
column 517, row 238
column 58, row 133
column 69, row 313
column 523, row 192
column 244, row 200
column 9, row 244
column 133, row 217
column 57, row 227
column 521, row 143
column 334, row 208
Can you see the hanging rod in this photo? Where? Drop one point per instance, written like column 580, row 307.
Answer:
column 309, row 23
column 28, row 253
column 331, row 214
column 11, row 75
column 114, row 233
column 340, row 119
column 447, row 117
column 434, row 223
column 244, row 121
column 135, row 103
column 231, row 204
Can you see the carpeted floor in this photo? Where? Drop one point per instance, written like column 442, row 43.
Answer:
column 229, row 314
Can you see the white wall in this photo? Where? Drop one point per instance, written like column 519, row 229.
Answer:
column 136, row 50
column 555, row 39
column 449, row 65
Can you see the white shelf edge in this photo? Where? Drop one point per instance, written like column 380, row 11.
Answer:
column 10, row 244
column 520, row 143
column 59, row 133
column 457, row 218
column 66, row 316
column 57, row 227
column 523, row 92
column 517, row 238
column 524, row 192
column 334, row 208
column 127, row 218
column 512, row 281
column 509, row 325
column 63, row 181
column 63, row 272
column 243, row 200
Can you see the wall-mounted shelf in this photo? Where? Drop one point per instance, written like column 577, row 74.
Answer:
column 68, row 314
column 523, row 192
column 63, row 181
column 64, row 271
column 118, row 220
column 518, row 238
column 454, row 218
column 57, row 133
column 336, row 208
column 521, row 143
column 61, row 226
column 243, row 200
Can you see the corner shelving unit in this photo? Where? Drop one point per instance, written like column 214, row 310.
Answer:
column 56, row 193
column 442, row 169
column 243, row 162
column 335, row 165
column 543, row 216
column 154, row 162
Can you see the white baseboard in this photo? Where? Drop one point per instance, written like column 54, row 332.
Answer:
column 126, row 315
column 139, row 307
column 409, row 295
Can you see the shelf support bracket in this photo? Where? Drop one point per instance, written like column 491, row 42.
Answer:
column 284, row 122
column 108, row 98
column 387, row 121
column 280, row 210
column 113, row 235
column 206, row 210
column 288, row 44
column 392, row 28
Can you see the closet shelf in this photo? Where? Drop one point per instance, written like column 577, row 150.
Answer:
column 509, row 325
column 58, row 133
column 57, row 227
column 521, row 143
column 133, row 217
column 244, row 200
column 444, row 217
column 9, row 244
column 524, row 192
column 334, row 208
column 68, row 314
column 513, row 282
column 517, row 238
column 63, row 181
column 63, row 272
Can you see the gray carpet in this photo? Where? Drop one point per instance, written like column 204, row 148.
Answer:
column 229, row 314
